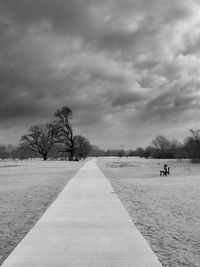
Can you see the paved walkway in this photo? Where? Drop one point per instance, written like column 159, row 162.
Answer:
column 86, row 226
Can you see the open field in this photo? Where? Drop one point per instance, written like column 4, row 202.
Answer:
column 27, row 188
column 165, row 209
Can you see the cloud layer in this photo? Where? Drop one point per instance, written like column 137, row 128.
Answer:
column 129, row 69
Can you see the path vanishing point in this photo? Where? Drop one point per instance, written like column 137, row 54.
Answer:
column 86, row 226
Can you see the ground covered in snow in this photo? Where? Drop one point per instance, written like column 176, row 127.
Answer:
column 166, row 210
column 27, row 188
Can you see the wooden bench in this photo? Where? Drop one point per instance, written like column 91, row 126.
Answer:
column 166, row 170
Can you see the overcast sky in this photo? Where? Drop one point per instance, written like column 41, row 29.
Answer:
column 129, row 69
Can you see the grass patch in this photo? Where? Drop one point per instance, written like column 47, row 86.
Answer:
column 165, row 209
column 26, row 191
column 119, row 164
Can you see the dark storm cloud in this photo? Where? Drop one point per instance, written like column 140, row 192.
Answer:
column 112, row 61
column 127, row 99
column 61, row 15
column 169, row 106
column 100, row 74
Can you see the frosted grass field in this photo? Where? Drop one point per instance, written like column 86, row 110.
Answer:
column 165, row 209
column 27, row 188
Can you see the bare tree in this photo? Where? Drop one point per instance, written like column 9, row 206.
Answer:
column 140, row 152
column 66, row 135
column 96, row 151
column 40, row 139
column 192, row 145
column 22, row 152
column 10, row 151
column 82, row 146
column 161, row 143
column 3, row 153
column 195, row 135
column 161, row 147
column 7, row 151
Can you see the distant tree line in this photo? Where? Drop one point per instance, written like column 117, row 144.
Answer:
column 57, row 140
column 161, row 147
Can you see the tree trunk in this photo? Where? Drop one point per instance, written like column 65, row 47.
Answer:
column 71, row 157
column 45, row 156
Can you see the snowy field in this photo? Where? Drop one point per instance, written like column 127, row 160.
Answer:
column 27, row 188
column 165, row 209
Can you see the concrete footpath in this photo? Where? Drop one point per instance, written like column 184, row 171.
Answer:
column 86, row 226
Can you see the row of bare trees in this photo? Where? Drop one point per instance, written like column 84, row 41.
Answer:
column 161, row 147
column 7, row 151
column 192, row 145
